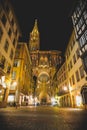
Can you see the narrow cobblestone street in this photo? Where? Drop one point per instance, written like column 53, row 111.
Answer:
column 42, row 118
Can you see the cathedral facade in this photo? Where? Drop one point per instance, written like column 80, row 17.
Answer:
column 44, row 66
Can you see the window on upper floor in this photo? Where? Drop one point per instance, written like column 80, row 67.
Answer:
column 69, row 51
column 14, row 42
column 77, row 76
column 82, row 5
column 78, row 11
column 70, row 81
column 79, row 32
column 11, row 54
column 86, row 35
column 68, row 67
column 8, row 68
column 85, row 14
column 12, row 22
column 81, row 71
column 1, row 33
column 81, row 22
column 85, row 61
column 18, row 47
column 16, row 32
column 73, row 42
column 73, row 80
column 74, row 59
column 82, row 40
column 83, row 27
column 4, row 20
column 17, row 54
column 16, row 63
column 9, row 32
column 71, row 64
column 14, row 74
column 2, row 62
column 77, row 53
column 77, row 28
column 6, row 46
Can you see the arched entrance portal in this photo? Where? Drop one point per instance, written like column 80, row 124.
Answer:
column 43, row 80
column 43, row 97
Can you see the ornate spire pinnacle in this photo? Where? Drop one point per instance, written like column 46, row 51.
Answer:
column 35, row 29
column 35, row 22
column 34, row 38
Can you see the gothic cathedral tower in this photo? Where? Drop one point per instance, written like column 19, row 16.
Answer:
column 34, row 41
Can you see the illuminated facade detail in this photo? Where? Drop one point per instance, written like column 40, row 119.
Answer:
column 43, row 66
column 79, row 19
column 34, row 38
column 9, row 35
column 21, row 74
column 43, row 77
column 71, row 75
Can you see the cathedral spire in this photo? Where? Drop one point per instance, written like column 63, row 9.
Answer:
column 35, row 29
column 35, row 23
column 34, row 38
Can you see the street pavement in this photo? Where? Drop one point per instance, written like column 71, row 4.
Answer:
column 42, row 118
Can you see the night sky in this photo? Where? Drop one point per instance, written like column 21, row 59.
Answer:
column 54, row 21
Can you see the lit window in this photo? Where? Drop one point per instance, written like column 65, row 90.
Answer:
column 82, row 40
column 14, row 75
column 16, row 63
column 11, row 98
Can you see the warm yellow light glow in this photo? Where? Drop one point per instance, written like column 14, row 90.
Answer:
column 78, row 100
column 52, row 99
column 31, row 100
column 0, row 91
column 11, row 98
column 38, row 86
column 3, row 78
column 14, row 83
column 4, row 85
column 65, row 88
